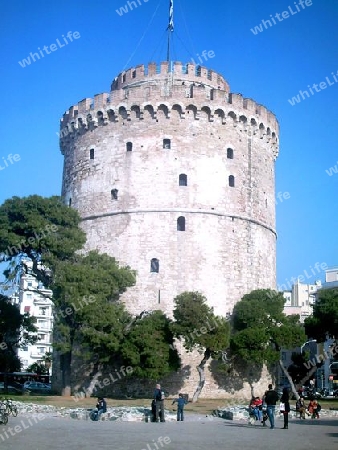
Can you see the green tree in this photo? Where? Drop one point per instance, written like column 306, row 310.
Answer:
column 323, row 324
column 324, row 320
column 16, row 331
column 200, row 329
column 148, row 347
column 261, row 329
column 86, row 291
column 38, row 228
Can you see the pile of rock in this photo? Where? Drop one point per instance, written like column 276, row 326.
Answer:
column 121, row 413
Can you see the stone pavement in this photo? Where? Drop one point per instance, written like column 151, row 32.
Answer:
column 42, row 432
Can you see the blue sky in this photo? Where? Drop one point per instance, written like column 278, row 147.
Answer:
column 271, row 66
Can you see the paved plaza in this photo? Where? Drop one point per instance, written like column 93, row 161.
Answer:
column 196, row 433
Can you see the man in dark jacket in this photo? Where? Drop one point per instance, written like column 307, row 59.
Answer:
column 270, row 398
column 159, row 398
column 101, row 407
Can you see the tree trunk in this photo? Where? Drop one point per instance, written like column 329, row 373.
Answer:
column 286, row 373
column 201, row 373
column 66, row 362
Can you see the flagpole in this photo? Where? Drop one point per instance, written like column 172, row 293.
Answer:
column 170, row 26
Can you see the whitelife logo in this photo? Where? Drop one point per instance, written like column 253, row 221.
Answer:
column 32, row 57
column 284, row 14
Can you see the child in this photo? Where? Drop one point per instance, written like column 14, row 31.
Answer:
column 180, row 406
column 313, row 408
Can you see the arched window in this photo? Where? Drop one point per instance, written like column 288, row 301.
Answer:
column 114, row 194
column 129, row 146
column 70, row 202
column 181, row 223
column 91, row 153
column 166, row 143
column 230, row 153
column 154, row 265
column 183, row 180
column 231, row 181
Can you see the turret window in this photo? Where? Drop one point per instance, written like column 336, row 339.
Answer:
column 114, row 194
column 230, row 153
column 91, row 153
column 154, row 265
column 129, row 146
column 231, row 181
column 183, row 180
column 166, row 143
column 181, row 223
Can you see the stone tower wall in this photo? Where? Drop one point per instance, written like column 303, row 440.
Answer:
column 130, row 199
column 228, row 246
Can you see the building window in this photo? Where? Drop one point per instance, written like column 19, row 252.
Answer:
column 154, row 265
column 183, row 180
column 91, row 153
column 166, row 143
column 231, row 181
column 70, row 202
column 230, row 153
column 181, row 223
column 114, row 194
column 129, row 146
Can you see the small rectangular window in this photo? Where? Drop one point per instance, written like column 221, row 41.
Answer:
column 91, row 153
column 166, row 143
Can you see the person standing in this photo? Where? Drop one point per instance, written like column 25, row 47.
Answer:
column 270, row 398
column 300, row 407
column 285, row 399
column 159, row 398
column 181, row 401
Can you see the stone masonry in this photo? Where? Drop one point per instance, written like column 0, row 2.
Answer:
column 174, row 176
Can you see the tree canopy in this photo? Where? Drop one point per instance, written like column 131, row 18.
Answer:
column 324, row 319
column 200, row 329
column 41, row 229
column 148, row 347
column 16, row 331
column 261, row 329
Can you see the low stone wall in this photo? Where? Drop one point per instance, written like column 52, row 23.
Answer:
column 143, row 413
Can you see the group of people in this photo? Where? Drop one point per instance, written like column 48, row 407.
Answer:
column 312, row 409
column 157, row 405
column 271, row 398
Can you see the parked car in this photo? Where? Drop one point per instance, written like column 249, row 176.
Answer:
column 36, row 386
column 10, row 389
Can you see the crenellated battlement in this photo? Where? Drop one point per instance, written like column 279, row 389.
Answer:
column 142, row 92
column 179, row 72
column 237, row 112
